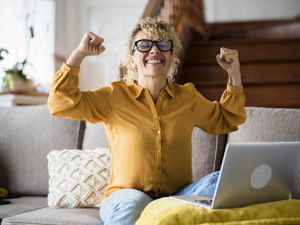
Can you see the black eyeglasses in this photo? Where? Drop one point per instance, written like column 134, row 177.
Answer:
column 145, row 45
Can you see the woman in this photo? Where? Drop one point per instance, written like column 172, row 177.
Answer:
column 148, row 119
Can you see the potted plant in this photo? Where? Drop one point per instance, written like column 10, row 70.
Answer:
column 2, row 50
column 16, row 81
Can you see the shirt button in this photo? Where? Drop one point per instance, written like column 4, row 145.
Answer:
column 159, row 150
column 160, row 98
column 155, row 115
column 158, row 131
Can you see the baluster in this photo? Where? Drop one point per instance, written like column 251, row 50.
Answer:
column 162, row 11
column 183, row 3
column 167, row 11
column 175, row 12
column 171, row 5
column 192, row 11
column 159, row 13
column 177, row 15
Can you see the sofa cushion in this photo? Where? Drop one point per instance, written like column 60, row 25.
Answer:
column 78, row 178
column 270, row 125
column 170, row 211
column 21, row 205
column 49, row 215
column 207, row 149
column 28, row 134
column 94, row 136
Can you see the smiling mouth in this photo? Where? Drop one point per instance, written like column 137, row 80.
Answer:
column 154, row 61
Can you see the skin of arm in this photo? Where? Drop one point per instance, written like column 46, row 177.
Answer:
column 75, row 59
column 235, row 80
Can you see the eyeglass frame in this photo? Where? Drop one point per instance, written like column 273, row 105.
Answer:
column 135, row 44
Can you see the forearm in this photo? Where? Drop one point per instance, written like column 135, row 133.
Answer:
column 75, row 59
column 235, row 80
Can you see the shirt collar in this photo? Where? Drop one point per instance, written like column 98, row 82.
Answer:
column 136, row 90
column 170, row 89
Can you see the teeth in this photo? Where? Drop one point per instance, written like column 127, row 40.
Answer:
column 154, row 61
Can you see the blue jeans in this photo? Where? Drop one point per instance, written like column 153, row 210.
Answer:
column 126, row 205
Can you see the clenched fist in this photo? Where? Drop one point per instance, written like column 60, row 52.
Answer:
column 228, row 59
column 91, row 44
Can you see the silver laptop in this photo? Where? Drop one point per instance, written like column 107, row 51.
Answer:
column 252, row 173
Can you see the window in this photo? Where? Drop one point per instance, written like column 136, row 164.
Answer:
column 28, row 31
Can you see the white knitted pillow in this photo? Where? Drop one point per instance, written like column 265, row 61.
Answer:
column 78, row 178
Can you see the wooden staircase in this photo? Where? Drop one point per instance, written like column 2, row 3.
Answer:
column 270, row 70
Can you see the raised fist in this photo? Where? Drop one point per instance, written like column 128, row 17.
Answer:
column 228, row 59
column 91, row 44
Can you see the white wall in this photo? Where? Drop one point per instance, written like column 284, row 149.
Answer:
column 245, row 10
column 67, row 26
column 61, row 29
column 110, row 20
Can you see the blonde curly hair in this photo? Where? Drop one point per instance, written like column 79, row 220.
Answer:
column 152, row 27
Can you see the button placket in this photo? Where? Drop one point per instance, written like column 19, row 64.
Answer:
column 158, row 137
column 159, row 144
column 158, row 162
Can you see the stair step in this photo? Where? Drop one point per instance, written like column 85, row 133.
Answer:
column 201, row 52
column 270, row 95
column 252, row 73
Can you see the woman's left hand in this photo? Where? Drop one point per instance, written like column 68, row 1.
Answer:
column 229, row 61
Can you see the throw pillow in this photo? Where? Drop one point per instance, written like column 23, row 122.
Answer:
column 78, row 178
column 170, row 211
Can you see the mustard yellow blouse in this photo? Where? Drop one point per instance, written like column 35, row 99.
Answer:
column 150, row 144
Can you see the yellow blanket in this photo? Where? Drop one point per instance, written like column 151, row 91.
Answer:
column 165, row 211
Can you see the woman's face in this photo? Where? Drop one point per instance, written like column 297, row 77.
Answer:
column 144, row 61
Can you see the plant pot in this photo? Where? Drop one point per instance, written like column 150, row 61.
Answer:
column 19, row 85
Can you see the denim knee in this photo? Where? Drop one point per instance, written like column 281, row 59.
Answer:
column 205, row 185
column 124, row 205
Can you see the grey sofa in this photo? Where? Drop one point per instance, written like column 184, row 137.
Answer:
column 29, row 133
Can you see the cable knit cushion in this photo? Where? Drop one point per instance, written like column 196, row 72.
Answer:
column 78, row 178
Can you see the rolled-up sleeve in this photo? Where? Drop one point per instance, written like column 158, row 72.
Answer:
column 220, row 117
column 67, row 100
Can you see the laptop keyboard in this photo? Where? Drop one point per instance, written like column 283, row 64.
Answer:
column 206, row 202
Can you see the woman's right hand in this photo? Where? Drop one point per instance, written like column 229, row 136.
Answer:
column 91, row 44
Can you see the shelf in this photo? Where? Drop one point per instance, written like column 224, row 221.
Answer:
column 8, row 100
